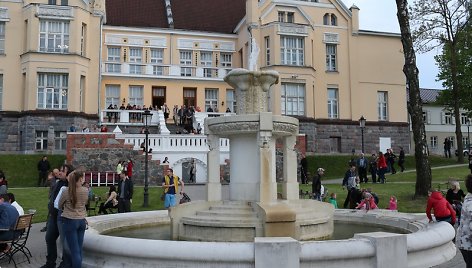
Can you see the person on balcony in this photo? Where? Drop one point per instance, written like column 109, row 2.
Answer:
column 166, row 111
column 209, row 110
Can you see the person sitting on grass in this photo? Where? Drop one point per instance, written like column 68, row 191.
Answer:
column 367, row 203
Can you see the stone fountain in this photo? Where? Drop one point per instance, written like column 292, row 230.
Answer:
column 253, row 209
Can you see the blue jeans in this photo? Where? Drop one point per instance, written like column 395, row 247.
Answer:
column 52, row 233
column 66, row 257
column 74, row 231
column 169, row 201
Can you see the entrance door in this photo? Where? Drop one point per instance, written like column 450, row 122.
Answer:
column 190, row 98
column 158, row 96
column 335, row 144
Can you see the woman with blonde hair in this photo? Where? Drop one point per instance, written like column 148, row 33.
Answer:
column 454, row 196
column 72, row 203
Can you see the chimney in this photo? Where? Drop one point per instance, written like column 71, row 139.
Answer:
column 354, row 19
column 252, row 16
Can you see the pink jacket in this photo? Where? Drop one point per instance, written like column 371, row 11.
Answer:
column 392, row 205
column 367, row 204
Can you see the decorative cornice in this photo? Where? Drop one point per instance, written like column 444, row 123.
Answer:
column 350, row 122
column 44, row 113
column 54, row 12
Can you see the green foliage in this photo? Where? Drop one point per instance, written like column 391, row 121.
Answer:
column 21, row 170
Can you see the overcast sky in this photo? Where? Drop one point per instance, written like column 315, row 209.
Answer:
column 381, row 15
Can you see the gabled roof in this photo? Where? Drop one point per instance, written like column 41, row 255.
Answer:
column 219, row 16
column 428, row 95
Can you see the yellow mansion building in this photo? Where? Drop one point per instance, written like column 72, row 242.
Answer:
column 63, row 62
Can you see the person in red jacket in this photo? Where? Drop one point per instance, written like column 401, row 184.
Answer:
column 129, row 168
column 443, row 211
column 381, row 167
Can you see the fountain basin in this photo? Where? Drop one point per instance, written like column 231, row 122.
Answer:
column 427, row 245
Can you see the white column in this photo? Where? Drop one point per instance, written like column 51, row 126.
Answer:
column 214, row 184
column 290, row 184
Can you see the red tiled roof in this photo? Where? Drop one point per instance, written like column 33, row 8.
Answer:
column 220, row 16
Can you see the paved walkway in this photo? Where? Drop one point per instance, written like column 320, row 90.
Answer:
column 37, row 245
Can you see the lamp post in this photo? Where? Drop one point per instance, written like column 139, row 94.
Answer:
column 362, row 126
column 147, row 120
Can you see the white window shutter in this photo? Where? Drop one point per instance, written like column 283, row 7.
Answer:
column 443, row 118
column 428, row 117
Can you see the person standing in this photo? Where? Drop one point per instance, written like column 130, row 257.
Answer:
column 381, row 167
column 119, row 167
column 401, row 159
column 362, row 168
column 464, row 232
column 125, row 193
column 454, row 196
column 373, row 168
column 304, row 169
column 166, row 111
column 43, row 169
column 72, row 204
column 447, row 148
column 316, row 186
column 129, row 169
column 470, row 162
column 193, row 171
column 171, row 188
column 349, row 182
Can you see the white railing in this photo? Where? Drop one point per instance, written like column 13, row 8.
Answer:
column 104, row 178
column 173, row 143
column 164, row 70
column 127, row 117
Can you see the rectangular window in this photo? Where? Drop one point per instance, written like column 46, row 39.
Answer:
column 290, row 17
column 136, row 95
column 433, row 142
column 41, row 140
column 464, row 119
column 206, row 59
column 226, row 60
column 333, row 100
column 267, row 48
column 51, row 2
column 83, row 34
column 60, row 140
column 64, row 2
column 2, row 37
column 293, row 99
column 186, row 60
column 331, row 57
column 425, row 117
column 291, row 50
column 1, row 92
column 114, row 54
column 135, row 56
column 211, row 99
column 231, row 100
column 52, row 91
column 465, row 141
column 281, row 16
column 448, row 119
column 112, row 95
column 54, row 36
column 157, row 57
column 452, row 139
column 382, row 105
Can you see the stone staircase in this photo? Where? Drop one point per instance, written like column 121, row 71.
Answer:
column 238, row 219
column 174, row 129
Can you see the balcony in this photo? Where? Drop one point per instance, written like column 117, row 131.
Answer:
column 54, row 12
column 132, row 118
column 164, row 71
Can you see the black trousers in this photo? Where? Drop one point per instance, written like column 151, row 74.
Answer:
column 467, row 255
column 124, row 205
column 362, row 174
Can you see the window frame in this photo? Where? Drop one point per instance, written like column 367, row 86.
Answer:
column 288, row 99
column 41, row 139
column 267, row 48
column 46, row 35
column 211, row 98
column 288, row 53
column 1, row 91
column 333, row 103
column 433, row 142
column 60, row 140
column 331, row 57
column 185, row 59
column 3, row 27
column 231, row 100
column 56, row 94
column 382, row 105
column 112, row 95
column 136, row 95
column 206, row 60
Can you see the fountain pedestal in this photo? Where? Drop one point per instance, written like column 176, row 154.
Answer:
column 253, row 209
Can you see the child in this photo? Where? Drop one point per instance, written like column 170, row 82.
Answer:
column 332, row 200
column 367, row 203
column 392, row 205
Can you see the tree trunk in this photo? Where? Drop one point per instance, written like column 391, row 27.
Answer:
column 415, row 104
column 455, row 94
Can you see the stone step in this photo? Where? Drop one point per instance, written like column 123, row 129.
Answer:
column 232, row 213
column 231, row 207
column 221, row 221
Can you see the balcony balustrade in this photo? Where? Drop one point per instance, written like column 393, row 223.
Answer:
column 163, row 70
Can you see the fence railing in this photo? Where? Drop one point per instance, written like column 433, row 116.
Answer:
column 173, row 143
column 104, row 178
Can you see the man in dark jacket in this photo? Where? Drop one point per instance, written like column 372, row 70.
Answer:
column 125, row 193
column 316, row 186
column 362, row 168
column 43, row 168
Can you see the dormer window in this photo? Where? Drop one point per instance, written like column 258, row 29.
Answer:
column 55, row 2
column 284, row 16
column 330, row 19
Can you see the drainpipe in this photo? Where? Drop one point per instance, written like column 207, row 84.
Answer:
column 100, row 67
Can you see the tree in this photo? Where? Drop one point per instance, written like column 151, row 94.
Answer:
column 439, row 23
column 464, row 72
column 415, row 104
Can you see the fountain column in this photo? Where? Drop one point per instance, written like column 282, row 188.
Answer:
column 213, row 156
column 290, row 184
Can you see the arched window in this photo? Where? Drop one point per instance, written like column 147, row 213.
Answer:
column 334, row 20
column 326, row 19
